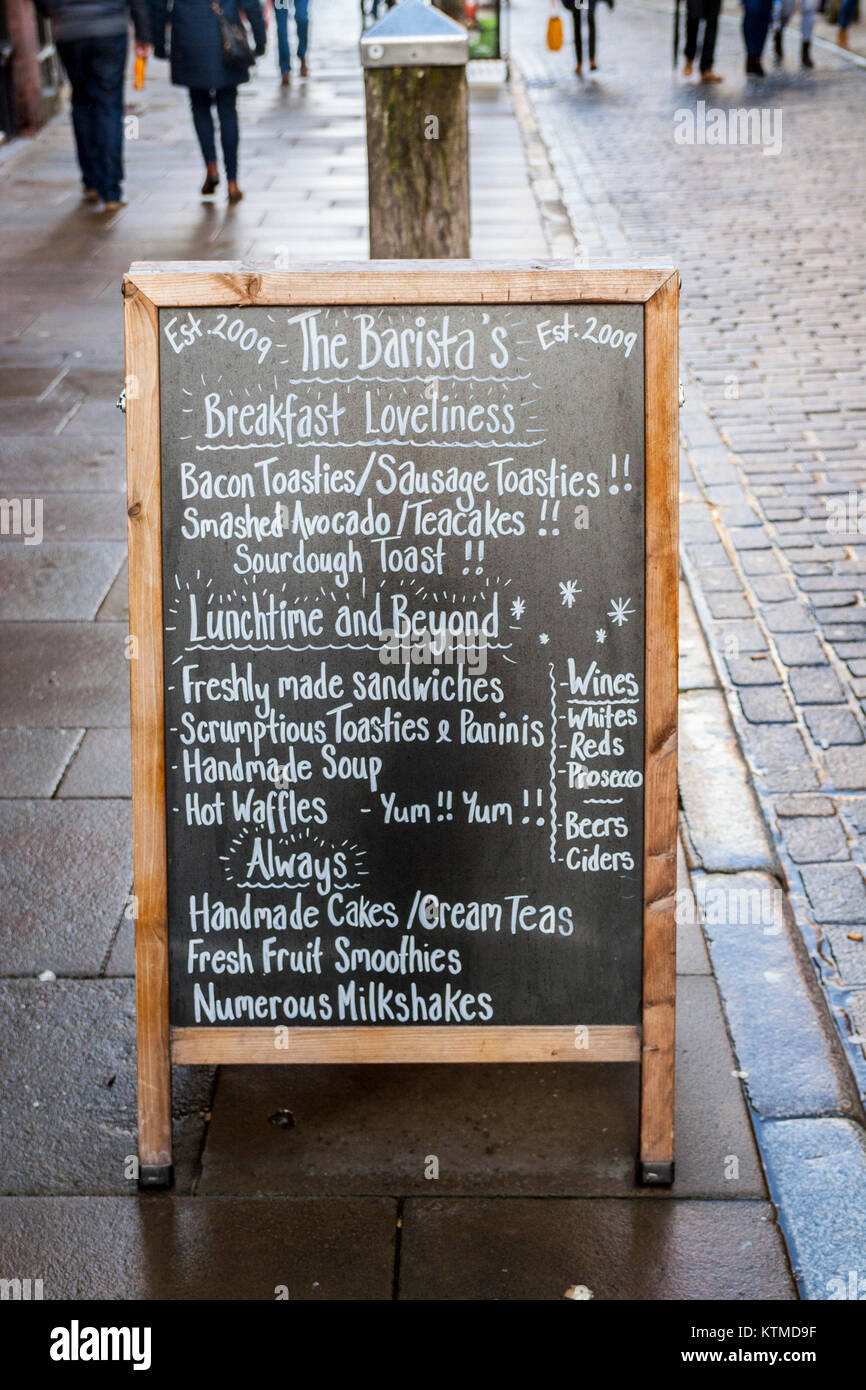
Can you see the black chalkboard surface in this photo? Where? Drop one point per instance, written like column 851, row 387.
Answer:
column 403, row 594
column 403, row 586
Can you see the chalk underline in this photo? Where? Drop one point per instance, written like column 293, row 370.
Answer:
column 397, row 380
column 366, row 443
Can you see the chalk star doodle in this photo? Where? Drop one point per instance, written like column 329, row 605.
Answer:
column 620, row 611
column 600, row 634
column 569, row 592
column 543, row 638
column 518, row 608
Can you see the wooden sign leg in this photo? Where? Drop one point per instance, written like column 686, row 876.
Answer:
column 154, row 1065
column 148, row 738
column 656, row 1163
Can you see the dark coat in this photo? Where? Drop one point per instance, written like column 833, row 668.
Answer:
column 95, row 19
column 196, row 48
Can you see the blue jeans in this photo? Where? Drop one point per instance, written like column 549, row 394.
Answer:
column 756, row 23
column 302, row 24
column 95, row 69
column 846, row 13
column 201, row 102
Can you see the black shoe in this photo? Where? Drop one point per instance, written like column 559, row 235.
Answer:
column 777, row 45
column 754, row 67
column 806, row 57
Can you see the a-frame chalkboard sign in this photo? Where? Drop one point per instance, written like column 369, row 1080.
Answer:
column 403, row 602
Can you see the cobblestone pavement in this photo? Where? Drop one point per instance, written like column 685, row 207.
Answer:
column 360, row 1135
column 771, row 250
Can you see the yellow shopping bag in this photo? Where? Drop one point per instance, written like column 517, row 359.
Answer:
column 554, row 30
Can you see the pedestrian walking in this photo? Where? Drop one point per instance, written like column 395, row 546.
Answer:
column 577, row 8
column 210, row 56
column 757, row 15
column 846, row 14
column 301, row 10
column 700, row 12
column 91, row 37
column 807, row 24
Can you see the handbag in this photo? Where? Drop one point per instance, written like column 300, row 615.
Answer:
column 237, row 52
column 554, row 29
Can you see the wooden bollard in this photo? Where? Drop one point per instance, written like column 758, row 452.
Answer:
column 417, row 134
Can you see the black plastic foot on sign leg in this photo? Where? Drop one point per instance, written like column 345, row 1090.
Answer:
column 655, row 1174
column 155, row 1175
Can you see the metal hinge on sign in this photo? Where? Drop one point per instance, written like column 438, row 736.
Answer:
column 121, row 400
column 682, row 395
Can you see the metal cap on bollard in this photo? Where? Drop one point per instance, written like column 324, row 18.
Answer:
column 414, row 34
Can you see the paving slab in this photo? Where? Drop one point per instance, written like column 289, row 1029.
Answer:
column 846, row 768
column 121, row 957
column 725, row 827
column 63, row 675
column 787, row 1052
column 56, row 580
column 548, row 1129
column 65, row 875
column 692, row 958
column 848, row 949
column 234, row 1249
column 479, row 1249
column 33, row 760
column 68, row 1082
column 46, row 463
column 815, row 839
column 836, row 892
column 766, row 704
column 779, row 758
column 115, row 606
column 79, row 516
column 102, row 766
column 817, row 1171
column 696, row 671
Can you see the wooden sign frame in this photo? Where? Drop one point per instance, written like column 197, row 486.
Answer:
column 149, row 287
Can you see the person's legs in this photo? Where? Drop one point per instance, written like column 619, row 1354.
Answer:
column 756, row 22
column 807, row 19
column 846, row 16
column 302, row 23
column 73, row 56
column 226, row 99
column 202, row 119
column 578, row 38
column 711, row 29
column 693, row 24
column 807, row 24
column 783, row 14
column 107, row 65
column 281, row 15
column 590, row 20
